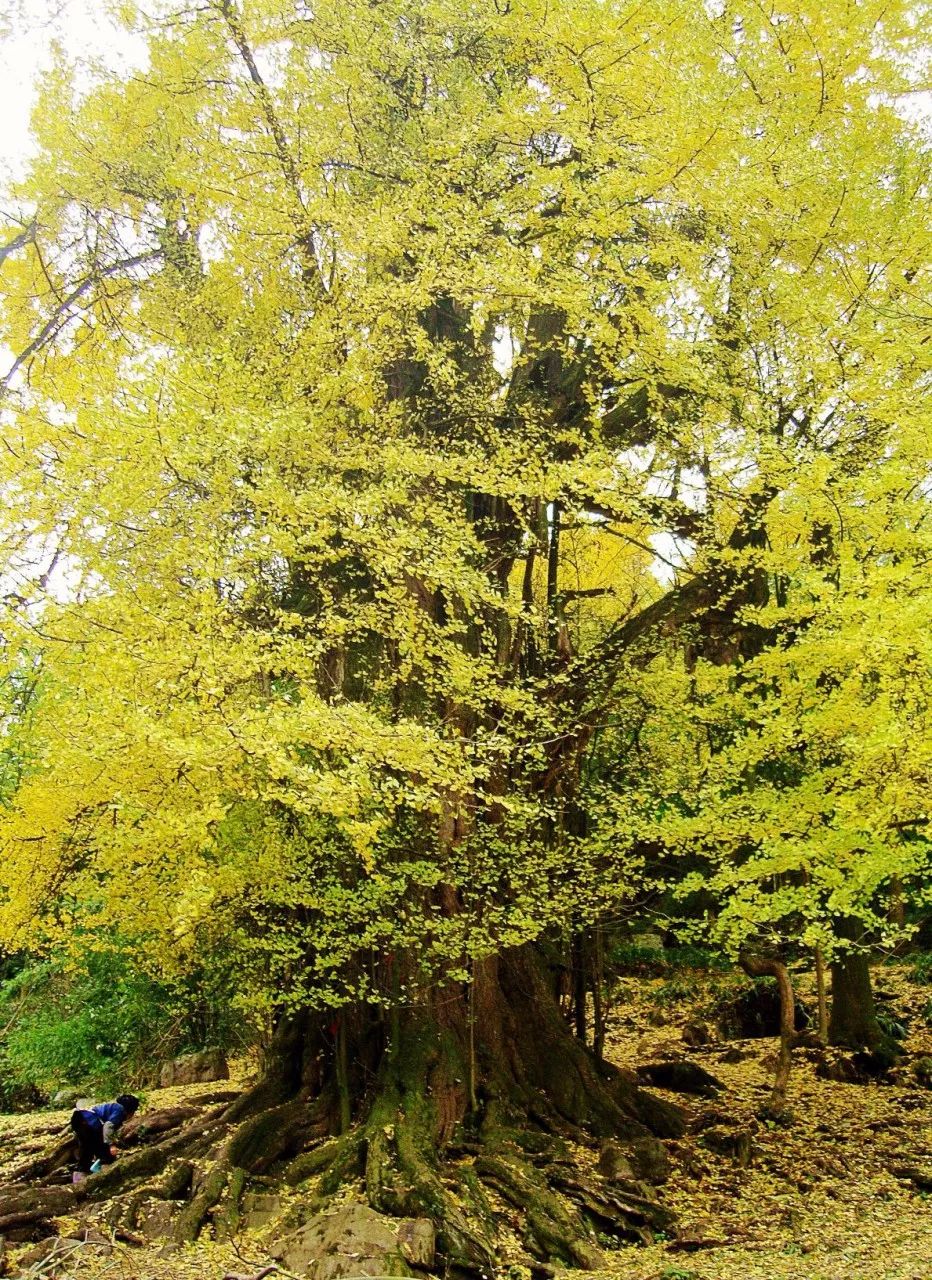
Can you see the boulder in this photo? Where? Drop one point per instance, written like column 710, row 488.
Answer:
column 650, row 1159
column 154, row 1218
column 66, row 1097
column 195, row 1068
column 39, row 1253
column 696, row 1034
column 55, row 1252
column 417, row 1240
column 854, row 1068
column 701, row 1235
column 839, row 1067
column 922, row 1072
column 681, row 1077
column 754, row 1012
column 259, row 1208
column 356, row 1241
column 921, row 1178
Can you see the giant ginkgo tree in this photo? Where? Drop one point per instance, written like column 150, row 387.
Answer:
column 341, row 336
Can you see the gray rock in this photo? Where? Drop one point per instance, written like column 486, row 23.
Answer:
column 754, row 1012
column 154, row 1218
column 39, row 1253
column 66, row 1097
column 922, row 1072
column 841, row 1068
column 919, row 1177
column 681, row 1077
column 734, row 1143
column 614, row 1165
column 195, row 1068
column 259, row 1208
column 354, row 1241
column 56, row 1251
column 417, row 1241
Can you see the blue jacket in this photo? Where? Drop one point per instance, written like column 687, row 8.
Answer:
column 105, row 1118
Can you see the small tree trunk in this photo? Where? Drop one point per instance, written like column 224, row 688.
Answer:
column 598, row 1012
column 760, row 967
column 342, row 1077
column 821, row 995
column 578, row 953
column 853, row 1021
column 896, row 913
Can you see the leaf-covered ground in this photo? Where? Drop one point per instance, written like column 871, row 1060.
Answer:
column 820, row 1198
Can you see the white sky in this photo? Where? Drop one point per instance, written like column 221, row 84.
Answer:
column 28, row 32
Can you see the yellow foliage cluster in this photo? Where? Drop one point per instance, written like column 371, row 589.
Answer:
column 429, row 422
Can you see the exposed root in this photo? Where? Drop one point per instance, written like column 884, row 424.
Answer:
column 174, row 1184
column 188, row 1224
column 316, row 1161
column 206, row 1166
column 147, row 1162
column 401, row 1179
column 622, row 1211
column 553, row 1230
column 57, row 1157
column 258, row 1275
column 448, row 1128
column 25, row 1212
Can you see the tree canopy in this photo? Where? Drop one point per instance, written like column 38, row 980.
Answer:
column 453, row 452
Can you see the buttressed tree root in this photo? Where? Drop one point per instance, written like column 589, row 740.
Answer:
column 417, row 1145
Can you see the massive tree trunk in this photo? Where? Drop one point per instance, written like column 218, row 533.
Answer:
column 426, row 1109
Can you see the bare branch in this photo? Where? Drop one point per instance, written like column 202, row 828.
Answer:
column 62, row 312
column 25, row 237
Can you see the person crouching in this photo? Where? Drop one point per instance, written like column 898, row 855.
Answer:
column 95, row 1131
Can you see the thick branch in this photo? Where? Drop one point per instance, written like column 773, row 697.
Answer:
column 279, row 138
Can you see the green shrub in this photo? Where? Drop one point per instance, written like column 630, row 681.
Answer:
column 102, row 1025
column 675, row 990
column 921, row 969
column 890, row 1025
